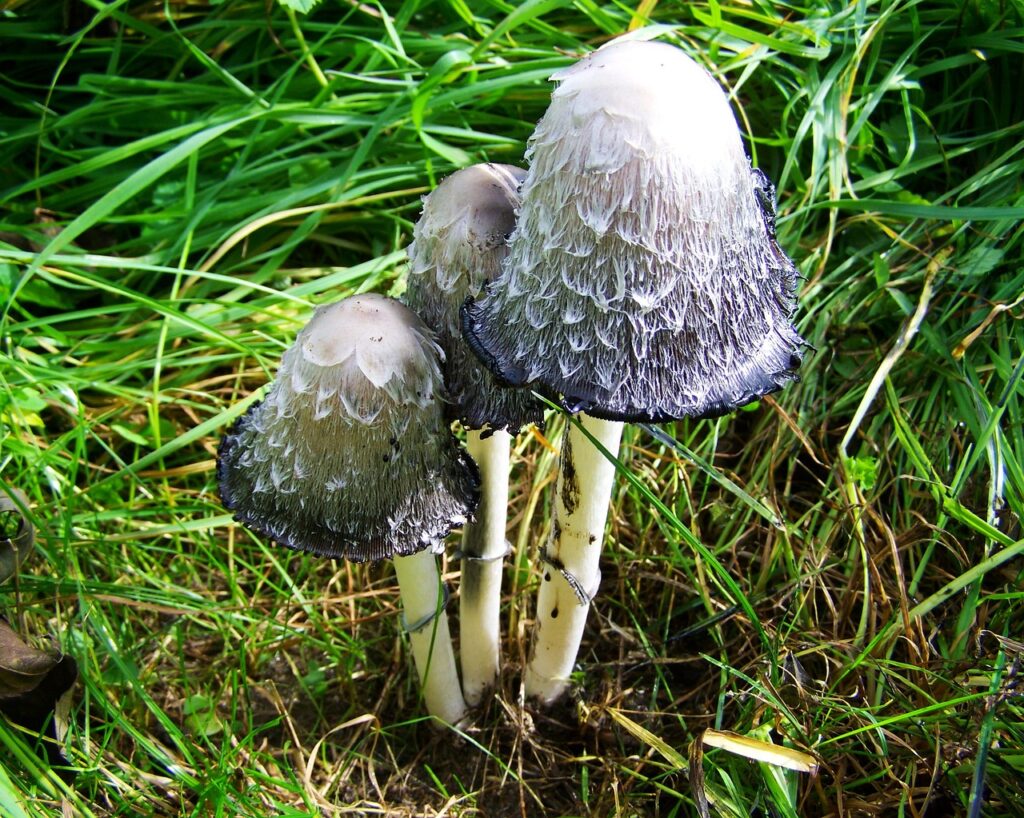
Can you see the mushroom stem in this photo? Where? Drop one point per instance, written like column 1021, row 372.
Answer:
column 419, row 585
column 571, row 571
column 483, row 552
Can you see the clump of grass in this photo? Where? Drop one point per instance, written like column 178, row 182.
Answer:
column 836, row 569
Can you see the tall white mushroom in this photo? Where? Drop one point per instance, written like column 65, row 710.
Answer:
column 350, row 456
column 643, row 282
column 458, row 245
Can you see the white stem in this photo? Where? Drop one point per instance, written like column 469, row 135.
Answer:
column 419, row 585
column 484, row 540
column 582, row 495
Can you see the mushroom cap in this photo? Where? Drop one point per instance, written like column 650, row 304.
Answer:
column 643, row 279
column 458, row 245
column 349, row 454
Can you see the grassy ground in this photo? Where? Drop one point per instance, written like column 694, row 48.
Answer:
column 181, row 182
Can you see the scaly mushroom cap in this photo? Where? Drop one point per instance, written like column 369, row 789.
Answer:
column 643, row 280
column 349, row 455
column 458, row 244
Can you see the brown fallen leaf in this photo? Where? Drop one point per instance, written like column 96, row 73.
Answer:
column 31, row 683
column 15, row 541
column 22, row 667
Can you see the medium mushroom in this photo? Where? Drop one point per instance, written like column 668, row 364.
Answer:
column 643, row 283
column 458, row 244
column 349, row 456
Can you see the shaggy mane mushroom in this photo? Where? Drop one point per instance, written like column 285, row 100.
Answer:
column 643, row 283
column 350, row 456
column 458, row 246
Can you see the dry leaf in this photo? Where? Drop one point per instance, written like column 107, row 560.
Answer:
column 14, row 548
column 22, row 667
column 760, row 750
column 31, row 683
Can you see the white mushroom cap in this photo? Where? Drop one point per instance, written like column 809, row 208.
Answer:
column 458, row 245
column 350, row 455
column 643, row 280
column 650, row 97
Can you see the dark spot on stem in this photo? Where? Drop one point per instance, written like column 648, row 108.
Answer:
column 570, row 485
column 554, row 613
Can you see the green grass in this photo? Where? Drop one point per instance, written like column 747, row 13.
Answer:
column 180, row 183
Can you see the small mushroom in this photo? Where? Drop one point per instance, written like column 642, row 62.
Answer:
column 643, row 283
column 349, row 456
column 458, row 244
